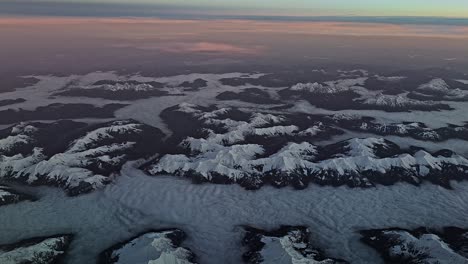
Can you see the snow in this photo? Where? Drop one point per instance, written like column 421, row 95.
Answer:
column 45, row 251
column 389, row 78
column 402, row 129
column 69, row 169
column 152, row 248
column 260, row 119
column 211, row 214
column 6, row 194
column 230, row 161
column 395, row 101
column 24, row 128
column 435, row 119
column 117, row 127
column 286, row 245
column 239, row 161
column 20, row 135
column 212, row 157
column 282, row 251
column 238, row 130
column 364, row 146
column 345, row 116
column 233, row 161
column 440, row 86
column 312, row 131
column 275, row 130
column 8, row 143
column 330, row 87
column 427, row 244
column 127, row 86
column 418, row 164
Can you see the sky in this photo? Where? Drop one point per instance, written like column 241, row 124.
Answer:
column 425, row 8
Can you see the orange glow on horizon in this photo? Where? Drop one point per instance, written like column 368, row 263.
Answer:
column 246, row 26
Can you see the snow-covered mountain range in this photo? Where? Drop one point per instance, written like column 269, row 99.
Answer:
column 156, row 247
column 285, row 155
column 74, row 156
column 422, row 245
column 288, row 244
column 41, row 250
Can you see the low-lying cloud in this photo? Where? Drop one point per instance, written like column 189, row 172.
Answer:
column 198, row 47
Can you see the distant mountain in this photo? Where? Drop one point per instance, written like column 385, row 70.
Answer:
column 36, row 250
column 152, row 247
column 288, row 244
column 423, row 245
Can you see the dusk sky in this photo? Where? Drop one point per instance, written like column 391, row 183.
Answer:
column 448, row 8
column 47, row 35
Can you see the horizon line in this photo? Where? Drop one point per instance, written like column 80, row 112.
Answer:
column 398, row 20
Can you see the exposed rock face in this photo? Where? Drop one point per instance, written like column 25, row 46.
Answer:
column 10, row 196
column 351, row 94
column 439, row 89
column 158, row 247
column 289, row 244
column 128, row 90
column 118, row 90
column 398, row 103
column 420, row 246
column 43, row 250
column 266, row 149
column 415, row 130
column 74, row 156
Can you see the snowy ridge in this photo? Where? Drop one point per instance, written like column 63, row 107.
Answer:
column 395, row 101
column 419, row 246
column 20, row 135
column 361, row 93
column 389, row 78
column 416, row 130
column 127, row 86
column 363, row 147
column 286, row 245
column 233, row 156
column 119, row 90
column 356, row 163
column 259, row 124
column 161, row 247
column 342, row 116
column 9, row 143
column 331, row 87
column 438, row 87
column 276, row 131
column 289, row 158
column 117, row 128
column 402, row 129
column 86, row 164
column 36, row 250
